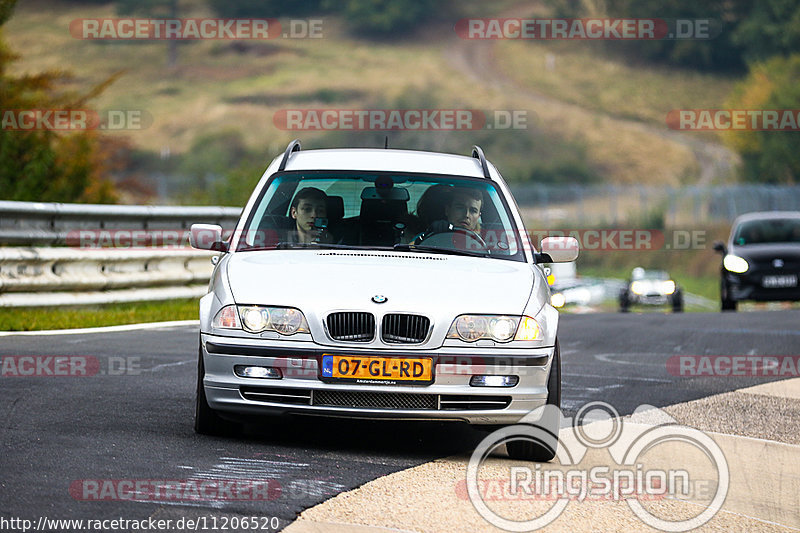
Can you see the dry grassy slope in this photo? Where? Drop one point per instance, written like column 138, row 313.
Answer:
column 215, row 87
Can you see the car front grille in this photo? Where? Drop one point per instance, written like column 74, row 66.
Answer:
column 408, row 329
column 375, row 400
column 351, row 326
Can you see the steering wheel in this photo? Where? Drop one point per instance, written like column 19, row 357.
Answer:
column 429, row 236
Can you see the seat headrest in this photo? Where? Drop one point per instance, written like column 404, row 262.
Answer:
column 335, row 207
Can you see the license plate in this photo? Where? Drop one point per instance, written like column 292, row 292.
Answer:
column 377, row 370
column 772, row 282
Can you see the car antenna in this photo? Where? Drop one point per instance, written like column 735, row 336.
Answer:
column 386, row 143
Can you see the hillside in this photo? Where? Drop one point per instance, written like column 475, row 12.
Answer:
column 591, row 117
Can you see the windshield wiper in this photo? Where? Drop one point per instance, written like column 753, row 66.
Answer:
column 434, row 249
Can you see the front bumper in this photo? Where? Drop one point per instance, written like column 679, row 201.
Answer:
column 650, row 299
column 750, row 286
column 300, row 391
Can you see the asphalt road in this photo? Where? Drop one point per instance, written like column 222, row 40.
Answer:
column 132, row 420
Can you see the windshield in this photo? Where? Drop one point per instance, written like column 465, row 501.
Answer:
column 411, row 213
column 768, row 231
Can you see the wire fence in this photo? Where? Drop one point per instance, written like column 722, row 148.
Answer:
column 587, row 205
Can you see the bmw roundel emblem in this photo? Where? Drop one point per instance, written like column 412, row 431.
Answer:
column 379, row 299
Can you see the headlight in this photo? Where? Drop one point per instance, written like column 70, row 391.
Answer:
column 470, row 328
column 528, row 329
column 227, row 318
column 637, row 287
column 668, row 287
column 734, row 263
column 288, row 321
column 257, row 318
column 558, row 300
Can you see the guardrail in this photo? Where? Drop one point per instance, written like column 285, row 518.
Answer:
column 86, row 272
column 45, row 224
column 64, row 276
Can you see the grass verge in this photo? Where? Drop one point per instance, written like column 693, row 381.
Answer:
column 68, row 317
column 705, row 286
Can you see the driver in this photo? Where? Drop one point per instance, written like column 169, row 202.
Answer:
column 464, row 209
column 309, row 205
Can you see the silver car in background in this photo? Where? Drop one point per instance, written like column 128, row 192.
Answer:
column 379, row 283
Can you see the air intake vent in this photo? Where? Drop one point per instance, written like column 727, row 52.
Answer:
column 404, row 329
column 277, row 395
column 351, row 326
column 374, row 400
column 473, row 402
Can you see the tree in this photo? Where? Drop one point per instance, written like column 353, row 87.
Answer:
column 265, row 8
column 42, row 164
column 719, row 53
column 380, row 18
column 768, row 156
column 771, row 28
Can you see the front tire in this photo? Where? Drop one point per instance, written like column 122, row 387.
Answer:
column 677, row 302
column 206, row 420
column 528, row 450
column 727, row 303
column 624, row 302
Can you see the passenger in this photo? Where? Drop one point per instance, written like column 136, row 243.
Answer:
column 309, row 211
column 464, row 209
column 431, row 205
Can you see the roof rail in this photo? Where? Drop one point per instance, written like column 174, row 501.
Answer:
column 294, row 146
column 477, row 153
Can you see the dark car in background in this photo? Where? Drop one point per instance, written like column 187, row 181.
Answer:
column 761, row 261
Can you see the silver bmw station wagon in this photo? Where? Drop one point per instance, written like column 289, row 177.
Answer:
column 384, row 284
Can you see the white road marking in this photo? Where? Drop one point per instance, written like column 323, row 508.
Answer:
column 104, row 329
column 654, row 380
column 607, row 358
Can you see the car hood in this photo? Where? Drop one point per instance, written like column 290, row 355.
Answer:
column 320, row 281
column 789, row 252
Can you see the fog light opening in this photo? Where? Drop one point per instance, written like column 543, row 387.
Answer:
column 493, row 381
column 262, row 372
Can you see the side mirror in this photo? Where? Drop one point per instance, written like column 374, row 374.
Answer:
column 719, row 246
column 558, row 250
column 207, row 237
